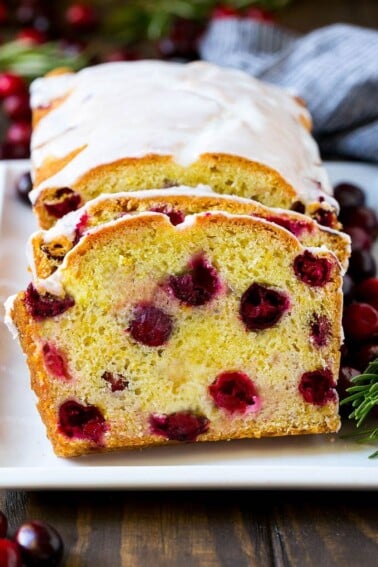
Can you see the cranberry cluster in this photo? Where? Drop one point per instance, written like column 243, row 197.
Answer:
column 35, row 544
column 360, row 317
column 35, row 22
column 15, row 99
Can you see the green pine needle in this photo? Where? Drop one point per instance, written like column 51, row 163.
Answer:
column 363, row 396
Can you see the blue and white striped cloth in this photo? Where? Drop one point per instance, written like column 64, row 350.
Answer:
column 333, row 69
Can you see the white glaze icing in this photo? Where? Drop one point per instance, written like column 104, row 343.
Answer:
column 132, row 109
column 8, row 306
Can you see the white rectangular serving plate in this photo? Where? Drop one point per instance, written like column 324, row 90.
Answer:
column 28, row 462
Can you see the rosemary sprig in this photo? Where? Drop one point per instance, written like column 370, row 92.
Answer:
column 363, row 396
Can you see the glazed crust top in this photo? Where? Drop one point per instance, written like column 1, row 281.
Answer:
column 135, row 109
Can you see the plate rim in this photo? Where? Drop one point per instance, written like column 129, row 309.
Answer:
column 187, row 476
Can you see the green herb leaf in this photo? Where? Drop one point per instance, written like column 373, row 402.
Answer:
column 363, row 396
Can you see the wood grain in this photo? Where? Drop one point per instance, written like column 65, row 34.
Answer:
column 219, row 528
column 207, row 529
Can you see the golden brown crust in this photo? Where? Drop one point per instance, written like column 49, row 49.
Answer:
column 225, row 174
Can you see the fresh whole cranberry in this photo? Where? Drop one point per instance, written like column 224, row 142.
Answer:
column 179, row 426
column 66, row 200
column 362, row 265
column 47, row 305
column 360, row 240
column 3, row 525
column 11, row 84
column 312, row 270
column 31, row 36
column 17, row 106
column 81, row 17
column 262, row 307
column 150, row 325
column 318, row 387
column 360, row 321
column 14, row 151
column 234, row 392
column 197, row 286
column 348, row 195
column 367, row 292
column 320, row 330
column 19, row 132
column 364, row 217
column 55, row 362
column 117, row 382
column 23, row 186
column 10, row 554
column 175, row 216
column 40, row 544
column 81, row 421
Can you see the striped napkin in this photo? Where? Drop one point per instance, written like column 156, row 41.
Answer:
column 334, row 69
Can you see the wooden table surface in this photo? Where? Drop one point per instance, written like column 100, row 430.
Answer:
column 217, row 528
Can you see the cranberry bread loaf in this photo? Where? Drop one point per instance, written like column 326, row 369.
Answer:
column 47, row 249
column 146, row 124
column 221, row 327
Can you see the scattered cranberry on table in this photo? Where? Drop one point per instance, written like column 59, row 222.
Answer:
column 19, row 133
column 348, row 195
column 34, row 544
column 40, row 544
column 10, row 554
column 17, row 106
column 31, row 36
column 360, row 286
column 367, row 291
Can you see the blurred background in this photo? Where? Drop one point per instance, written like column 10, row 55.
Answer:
column 40, row 35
